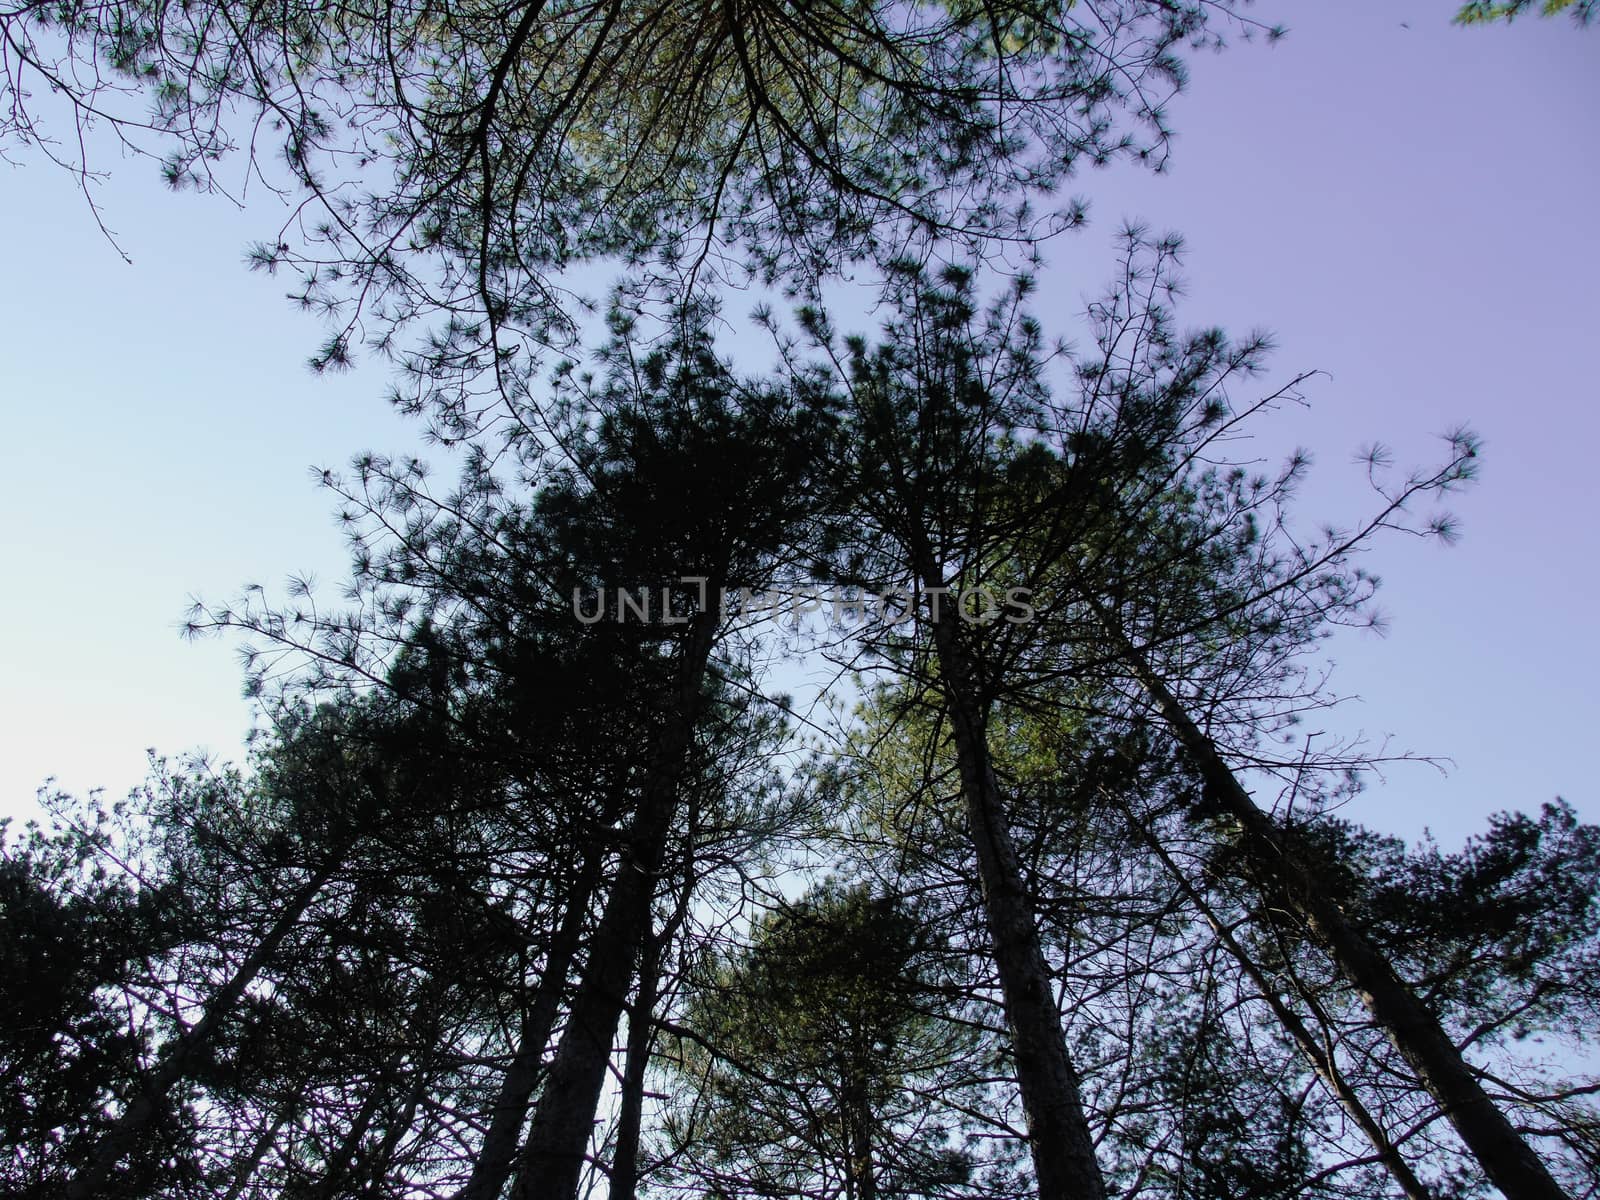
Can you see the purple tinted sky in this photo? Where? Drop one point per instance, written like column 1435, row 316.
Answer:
column 1412, row 211
column 1408, row 209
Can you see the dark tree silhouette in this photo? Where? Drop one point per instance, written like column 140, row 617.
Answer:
column 1165, row 574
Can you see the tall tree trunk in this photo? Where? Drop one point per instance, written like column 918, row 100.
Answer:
column 641, row 1040
column 859, row 1121
column 114, row 1145
column 552, row 1160
column 497, row 1157
column 641, row 1043
column 1320, row 1058
column 1058, row 1132
column 1415, row 1032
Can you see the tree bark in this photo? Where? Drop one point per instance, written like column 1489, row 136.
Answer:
column 641, row 1038
column 1506, row 1158
column 563, row 1122
column 1058, row 1131
column 858, row 1114
column 497, row 1157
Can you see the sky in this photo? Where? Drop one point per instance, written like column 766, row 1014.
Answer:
column 1407, row 206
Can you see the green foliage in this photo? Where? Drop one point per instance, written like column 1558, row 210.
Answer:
column 456, row 157
column 1484, row 12
column 325, row 970
column 827, row 1059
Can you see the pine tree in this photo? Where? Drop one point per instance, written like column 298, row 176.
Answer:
column 823, row 1059
column 460, row 156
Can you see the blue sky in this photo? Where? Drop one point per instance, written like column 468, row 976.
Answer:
column 1407, row 209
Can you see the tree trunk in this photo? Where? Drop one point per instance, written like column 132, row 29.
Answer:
column 641, row 1037
column 378, row 1168
column 1058, row 1132
column 641, row 1043
column 1320, row 1059
column 497, row 1156
column 1415, row 1032
column 341, row 1169
column 859, row 1119
column 337, row 1171
column 552, row 1160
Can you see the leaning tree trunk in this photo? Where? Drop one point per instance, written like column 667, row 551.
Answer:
column 336, row 1173
column 624, row 1180
column 497, row 1156
column 552, row 1160
column 1320, row 1059
column 340, row 1171
column 1058, row 1131
column 381, row 1164
column 1506, row 1158
column 641, row 1039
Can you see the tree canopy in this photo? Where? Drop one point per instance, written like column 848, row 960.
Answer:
column 536, row 887
column 446, row 162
